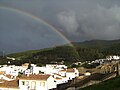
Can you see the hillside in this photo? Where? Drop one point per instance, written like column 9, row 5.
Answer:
column 95, row 49
column 65, row 53
column 112, row 84
column 82, row 51
column 97, row 43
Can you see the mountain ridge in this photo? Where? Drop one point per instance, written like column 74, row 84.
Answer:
column 80, row 51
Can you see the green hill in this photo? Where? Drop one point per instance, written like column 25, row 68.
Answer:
column 64, row 53
column 82, row 51
column 23, row 54
column 112, row 84
column 95, row 49
column 97, row 43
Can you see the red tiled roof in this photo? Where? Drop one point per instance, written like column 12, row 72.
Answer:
column 9, row 76
column 58, row 78
column 63, row 70
column 70, row 70
column 2, row 80
column 63, row 76
column 57, row 74
column 35, row 77
column 10, row 84
column 2, row 72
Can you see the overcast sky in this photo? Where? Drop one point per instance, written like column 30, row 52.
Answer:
column 78, row 20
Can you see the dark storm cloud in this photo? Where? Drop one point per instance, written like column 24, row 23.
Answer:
column 78, row 19
column 19, row 33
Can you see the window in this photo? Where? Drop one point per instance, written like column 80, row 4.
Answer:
column 23, row 82
column 33, row 85
column 42, row 84
column 26, row 83
column 54, row 81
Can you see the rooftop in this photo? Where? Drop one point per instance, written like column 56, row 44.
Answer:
column 10, row 84
column 35, row 77
column 70, row 70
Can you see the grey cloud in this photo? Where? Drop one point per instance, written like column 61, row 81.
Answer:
column 102, row 23
column 78, row 20
column 68, row 20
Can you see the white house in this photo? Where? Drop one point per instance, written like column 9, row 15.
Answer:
column 87, row 74
column 37, row 82
column 115, row 57
column 56, row 66
column 12, row 70
column 70, row 74
column 28, row 71
column 60, row 79
column 6, row 77
column 37, row 70
column 76, row 72
column 31, row 82
column 62, row 72
column 10, row 58
column 9, row 70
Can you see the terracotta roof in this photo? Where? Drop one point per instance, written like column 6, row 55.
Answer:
column 57, row 74
column 35, row 77
column 2, row 72
column 10, row 84
column 9, row 76
column 58, row 78
column 63, row 76
column 70, row 70
column 2, row 80
column 63, row 70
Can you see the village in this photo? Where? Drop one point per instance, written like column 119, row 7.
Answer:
column 57, row 76
column 35, row 78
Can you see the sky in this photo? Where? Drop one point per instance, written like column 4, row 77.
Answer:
column 77, row 20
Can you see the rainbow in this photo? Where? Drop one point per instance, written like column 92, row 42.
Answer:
column 38, row 19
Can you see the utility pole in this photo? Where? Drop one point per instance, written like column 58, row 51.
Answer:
column 3, row 54
column 119, row 68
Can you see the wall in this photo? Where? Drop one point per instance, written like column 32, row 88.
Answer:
column 70, row 75
column 50, row 83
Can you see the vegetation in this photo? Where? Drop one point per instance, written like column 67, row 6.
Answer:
column 82, row 51
column 96, row 49
column 60, row 54
column 113, row 84
column 86, row 65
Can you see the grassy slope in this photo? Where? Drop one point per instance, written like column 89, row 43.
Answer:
column 86, row 44
column 50, row 55
column 27, row 53
column 113, row 84
column 19, row 54
column 88, row 50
